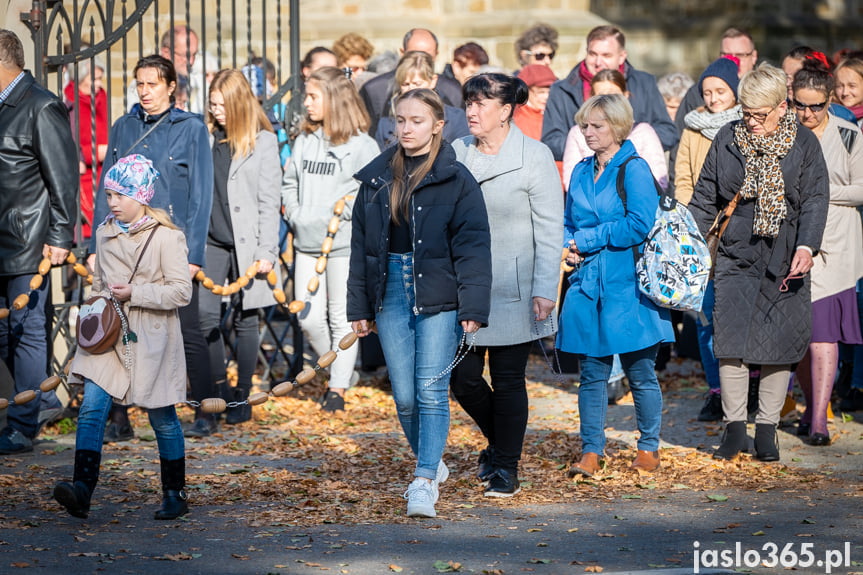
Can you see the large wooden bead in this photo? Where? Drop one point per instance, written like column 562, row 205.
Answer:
column 50, row 384
column 242, row 282
column 340, row 207
column 283, row 388
column 44, row 266
column 252, row 270
column 327, row 246
column 4, row 403
column 347, row 341
column 296, row 306
column 258, row 398
column 231, row 289
column 305, row 376
column 326, row 359
column 25, row 396
column 81, row 270
column 333, row 226
column 90, row 279
column 35, row 282
column 321, row 264
column 213, row 405
column 21, row 301
column 70, row 258
column 272, row 278
column 200, row 276
column 207, row 283
column 313, row 284
column 218, row 290
column 280, row 295
column 4, row 312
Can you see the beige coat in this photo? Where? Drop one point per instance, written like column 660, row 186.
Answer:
column 687, row 167
column 839, row 264
column 160, row 286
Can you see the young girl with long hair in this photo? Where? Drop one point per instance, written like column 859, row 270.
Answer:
column 421, row 268
column 147, row 365
column 332, row 147
column 244, row 230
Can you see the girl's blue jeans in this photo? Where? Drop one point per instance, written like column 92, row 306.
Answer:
column 417, row 348
column 93, row 415
column 593, row 398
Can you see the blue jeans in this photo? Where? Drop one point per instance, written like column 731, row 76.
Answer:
column 593, row 398
column 24, row 347
column 93, row 416
column 705, row 340
column 417, row 347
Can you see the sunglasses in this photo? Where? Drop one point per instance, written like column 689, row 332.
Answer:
column 814, row 107
column 540, row 56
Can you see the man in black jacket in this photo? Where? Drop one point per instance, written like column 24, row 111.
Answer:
column 376, row 92
column 38, row 204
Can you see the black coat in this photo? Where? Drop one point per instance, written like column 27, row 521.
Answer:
column 752, row 319
column 449, row 232
column 38, row 177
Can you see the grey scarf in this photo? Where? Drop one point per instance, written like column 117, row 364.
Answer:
column 709, row 123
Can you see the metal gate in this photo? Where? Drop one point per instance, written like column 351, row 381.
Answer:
column 75, row 38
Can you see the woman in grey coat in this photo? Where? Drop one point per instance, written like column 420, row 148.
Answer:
column 521, row 187
column 763, row 312
column 244, row 231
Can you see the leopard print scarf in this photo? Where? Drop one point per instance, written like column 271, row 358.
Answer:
column 763, row 178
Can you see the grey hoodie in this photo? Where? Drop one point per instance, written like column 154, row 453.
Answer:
column 318, row 175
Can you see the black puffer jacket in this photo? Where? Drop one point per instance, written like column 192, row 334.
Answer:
column 752, row 319
column 38, row 177
column 449, row 231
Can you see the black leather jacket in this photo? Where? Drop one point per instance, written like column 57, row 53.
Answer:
column 38, row 177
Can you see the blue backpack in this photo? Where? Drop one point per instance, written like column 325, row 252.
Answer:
column 674, row 267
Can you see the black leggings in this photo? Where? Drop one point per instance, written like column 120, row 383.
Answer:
column 500, row 410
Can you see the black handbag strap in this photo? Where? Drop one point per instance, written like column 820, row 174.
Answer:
column 147, row 133
column 141, row 255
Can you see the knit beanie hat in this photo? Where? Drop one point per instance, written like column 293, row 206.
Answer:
column 133, row 176
column 726, row 69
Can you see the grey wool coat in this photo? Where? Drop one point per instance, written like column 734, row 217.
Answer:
column 521, row 188
column 254, row 198
column 752, row 319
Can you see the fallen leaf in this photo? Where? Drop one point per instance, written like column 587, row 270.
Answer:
column 715, row 497
column 395, row 568
column 593, row 569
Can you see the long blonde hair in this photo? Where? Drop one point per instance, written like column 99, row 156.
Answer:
column 345, row 114
column 244, row 117
column 160, row 216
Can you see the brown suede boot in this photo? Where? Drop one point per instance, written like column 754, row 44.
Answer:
column 587, row 466
column 646, row 461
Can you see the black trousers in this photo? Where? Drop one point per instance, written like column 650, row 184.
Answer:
column 500, row 410
column 195, row 348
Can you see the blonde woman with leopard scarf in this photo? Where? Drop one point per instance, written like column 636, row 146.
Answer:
column 763, row 313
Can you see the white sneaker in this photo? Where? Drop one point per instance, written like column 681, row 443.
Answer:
column 442, row 472
column 422, row 494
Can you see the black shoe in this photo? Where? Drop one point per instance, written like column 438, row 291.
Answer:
column 766, row 442
column 202, row 427
column 174, row 504
column 803, row 429
column 240, row 413
column 333, row 402
column 502, row 484
column 486, row 464
column 616, row 391
column 853, row 401
column 734, row 441
column 712, row 409
column 819, row 439
column 116, row 433
column 74, row 497
column 13, row 441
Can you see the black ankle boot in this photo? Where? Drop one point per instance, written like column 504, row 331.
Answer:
column 240, row 413
column 766, row 442
column 733, row 440
column 75, row 496
column 174, row 500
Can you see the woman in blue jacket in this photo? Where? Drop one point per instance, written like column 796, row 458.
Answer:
column 421, row 267
column 604, row 313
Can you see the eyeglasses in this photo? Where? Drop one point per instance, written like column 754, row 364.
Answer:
column 738, row 55
column 814, row 107
column 759, row 117
column 215, row 107
column 540, row 56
